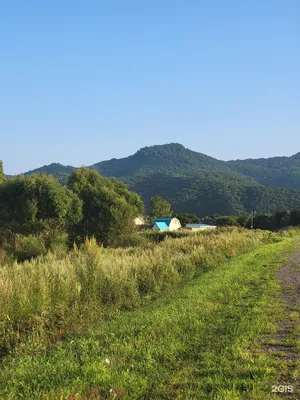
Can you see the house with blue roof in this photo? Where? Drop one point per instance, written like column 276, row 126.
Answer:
column 166, row 224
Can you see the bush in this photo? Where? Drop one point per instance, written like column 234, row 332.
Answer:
column 56, row 242
column 157, row 237
column 26, row 247
column 133, row 240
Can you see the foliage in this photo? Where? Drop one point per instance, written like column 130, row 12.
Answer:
column 227, row 221
column 2, row 176
column 221, row 193
column 37, row 204
column 157, row 236
column 109, row 208
column 26, row 247
column 269, row 221
column 265, row 221
column 282, row 218
column 187, row 218
column 59, row 171
column 276, row 171
column 160, row 207
column 295, row 217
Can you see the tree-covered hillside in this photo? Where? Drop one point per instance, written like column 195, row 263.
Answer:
column 172, row 158
column 223, row 193
column 61, row 172
column 276, row 171
column 195, row 182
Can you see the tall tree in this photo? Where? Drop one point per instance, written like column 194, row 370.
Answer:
column 187, row 218
column 37, row 203
column 295, row 217
column 282, row 218
column 109, row 208
column 160, row 207
column 2, row 176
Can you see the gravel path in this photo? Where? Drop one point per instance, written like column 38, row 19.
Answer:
column 289, row 277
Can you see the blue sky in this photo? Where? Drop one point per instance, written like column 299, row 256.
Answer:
column 85, row 81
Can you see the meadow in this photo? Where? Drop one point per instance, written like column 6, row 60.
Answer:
column 175, row 319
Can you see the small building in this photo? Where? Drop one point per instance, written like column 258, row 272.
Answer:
column 166, row 224
column 139, row 221
column 198, row 227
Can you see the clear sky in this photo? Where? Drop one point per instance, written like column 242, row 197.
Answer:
column 89, row 80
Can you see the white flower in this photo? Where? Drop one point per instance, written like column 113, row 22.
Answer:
column 107, row 362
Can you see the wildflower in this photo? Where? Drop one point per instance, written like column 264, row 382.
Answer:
column 107, row 362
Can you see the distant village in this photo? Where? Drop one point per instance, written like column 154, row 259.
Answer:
column 170, row 224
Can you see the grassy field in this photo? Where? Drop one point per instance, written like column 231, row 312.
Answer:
column 54, row 296
column 199, row 341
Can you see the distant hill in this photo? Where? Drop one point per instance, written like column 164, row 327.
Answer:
column 173, row 159
column 195, row 182
column 222, row 193
column 276, row 171
column 61, row 172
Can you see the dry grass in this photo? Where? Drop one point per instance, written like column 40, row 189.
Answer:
column 50, row 297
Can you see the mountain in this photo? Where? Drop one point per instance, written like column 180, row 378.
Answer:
column 61, row 172
column 173, row 159
column 195, row 182
column 276, row 171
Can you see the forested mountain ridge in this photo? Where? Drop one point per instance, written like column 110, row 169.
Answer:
column 52, row 169
column 275, row 171
column 173, row 159
column 211, row 192
column 61, row 172
column 195, row 182
column 176, row 160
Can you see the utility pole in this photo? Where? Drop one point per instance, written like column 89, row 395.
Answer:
column 253, row 215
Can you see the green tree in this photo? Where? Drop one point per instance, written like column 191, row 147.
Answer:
column 265, row 221
column 109, row 208
column 244, row 220
column 2, row 176
column 131, row 198
column 187, row 218
column 37, row 204
column 295, row 217
column 282, row 218
column 160, row 207
column 227, row 221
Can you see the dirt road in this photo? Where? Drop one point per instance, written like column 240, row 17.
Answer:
column 285, row 343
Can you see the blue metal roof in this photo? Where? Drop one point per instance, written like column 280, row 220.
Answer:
column 167, row 221
column 196, row 225
column 162, row 226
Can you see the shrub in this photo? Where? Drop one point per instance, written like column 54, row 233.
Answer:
column 133, row 240
column 26, row 247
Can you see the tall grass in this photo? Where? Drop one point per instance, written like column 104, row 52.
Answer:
column 48, row 298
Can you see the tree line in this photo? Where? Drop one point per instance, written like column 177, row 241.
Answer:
column 37, row 213
column 269, row 221
column 90, row 205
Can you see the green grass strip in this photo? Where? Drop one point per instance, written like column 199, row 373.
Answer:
column 198, row 342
